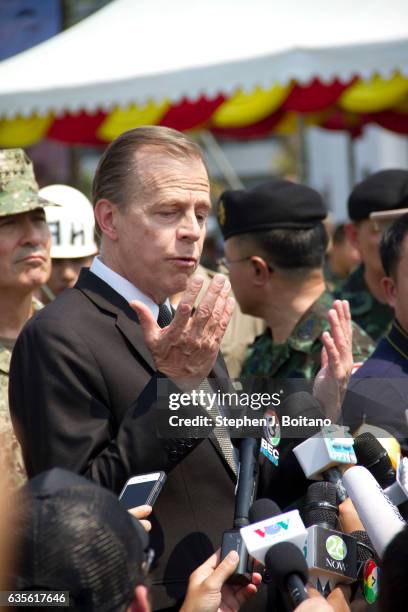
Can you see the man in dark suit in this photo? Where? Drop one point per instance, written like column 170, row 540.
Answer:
column 84, row 373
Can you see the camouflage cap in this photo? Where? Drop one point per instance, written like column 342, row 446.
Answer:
column 18, row 187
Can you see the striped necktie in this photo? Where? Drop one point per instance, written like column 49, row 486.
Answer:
column 221, row 433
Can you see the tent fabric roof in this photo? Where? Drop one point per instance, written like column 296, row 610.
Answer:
column 132, row 51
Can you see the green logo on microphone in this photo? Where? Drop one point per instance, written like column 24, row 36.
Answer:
column 336, row 547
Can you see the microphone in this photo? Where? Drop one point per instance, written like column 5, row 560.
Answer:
column 330, row 554
column 320, row 505
column 262, row 509
column 245, row 491
column 280, row 527
column 246, row 483
column 287, row 566
column 373, row 456
column 297, row 419
column 386, row 439
column 320, row 456
column 380, row 517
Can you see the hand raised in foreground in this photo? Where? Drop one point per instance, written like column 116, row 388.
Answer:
column 336, row 360
column 188, row 347
column 207, row 591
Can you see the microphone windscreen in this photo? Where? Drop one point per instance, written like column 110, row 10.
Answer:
column 320, row 505
column 365, row 548
column 385, row 438
column 263, row 509
column 284, row 559
column 371, row 454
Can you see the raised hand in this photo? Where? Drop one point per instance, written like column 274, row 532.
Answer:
column 188, row 347
column 336, row 360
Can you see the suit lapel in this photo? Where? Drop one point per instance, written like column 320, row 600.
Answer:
column 109, row 301
column 129, row 325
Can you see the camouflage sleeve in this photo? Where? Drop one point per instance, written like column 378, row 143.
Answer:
column 10, row 450
column 363, row 344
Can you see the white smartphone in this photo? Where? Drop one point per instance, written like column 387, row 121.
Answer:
column 142, row 489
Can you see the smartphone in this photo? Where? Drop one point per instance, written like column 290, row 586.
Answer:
column 142, row 489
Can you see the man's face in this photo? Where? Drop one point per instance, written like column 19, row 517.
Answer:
column 65, row 272
column 367, row 243
column 25, row 243
column 159, row 236
column 397, row 293
column 240, row 275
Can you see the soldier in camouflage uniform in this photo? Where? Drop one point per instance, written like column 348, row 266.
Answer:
column 382, row 191
column 275, row 243
column 300, row 355
column 24, row 266
column 341, row 259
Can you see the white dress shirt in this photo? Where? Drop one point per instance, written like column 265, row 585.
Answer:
column 124, row 287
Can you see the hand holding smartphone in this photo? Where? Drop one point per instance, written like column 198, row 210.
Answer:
column 142, row 489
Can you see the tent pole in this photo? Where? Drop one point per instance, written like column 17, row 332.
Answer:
column 303, row 174
column 351, row 161
column 215, row 151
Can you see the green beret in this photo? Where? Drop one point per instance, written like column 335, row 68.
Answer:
column 272, row 205
column 385, row 190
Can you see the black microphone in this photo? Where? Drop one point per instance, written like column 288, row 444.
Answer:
column 365, row 549
column 262, row 509
column 373, row 456
column 320, row 505
column 331, row 555
column 297, row 408
column 286, row 564
column 247, row 477
column 245, row 492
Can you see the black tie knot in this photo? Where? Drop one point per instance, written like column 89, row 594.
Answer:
column 165, row 317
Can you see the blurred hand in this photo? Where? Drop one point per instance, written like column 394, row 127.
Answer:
column 207, row 591
column 188, row 347
column 337, row 601
column 141, row 512
column 339, row 598
column 348, row 517
column 336, row 360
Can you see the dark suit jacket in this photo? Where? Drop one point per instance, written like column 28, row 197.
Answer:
column 83, row 397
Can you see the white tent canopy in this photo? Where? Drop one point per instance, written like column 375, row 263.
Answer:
column 133, row 51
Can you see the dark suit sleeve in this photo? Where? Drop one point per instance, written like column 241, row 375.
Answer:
column 59, row 404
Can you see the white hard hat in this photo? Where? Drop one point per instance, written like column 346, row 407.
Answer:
column 72, row 224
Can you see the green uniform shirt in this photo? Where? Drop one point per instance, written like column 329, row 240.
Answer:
column 10, row 450
column 299, row 356
column 333, row 281
column 372, row 316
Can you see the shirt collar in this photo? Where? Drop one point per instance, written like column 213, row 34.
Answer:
column 122, row 286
